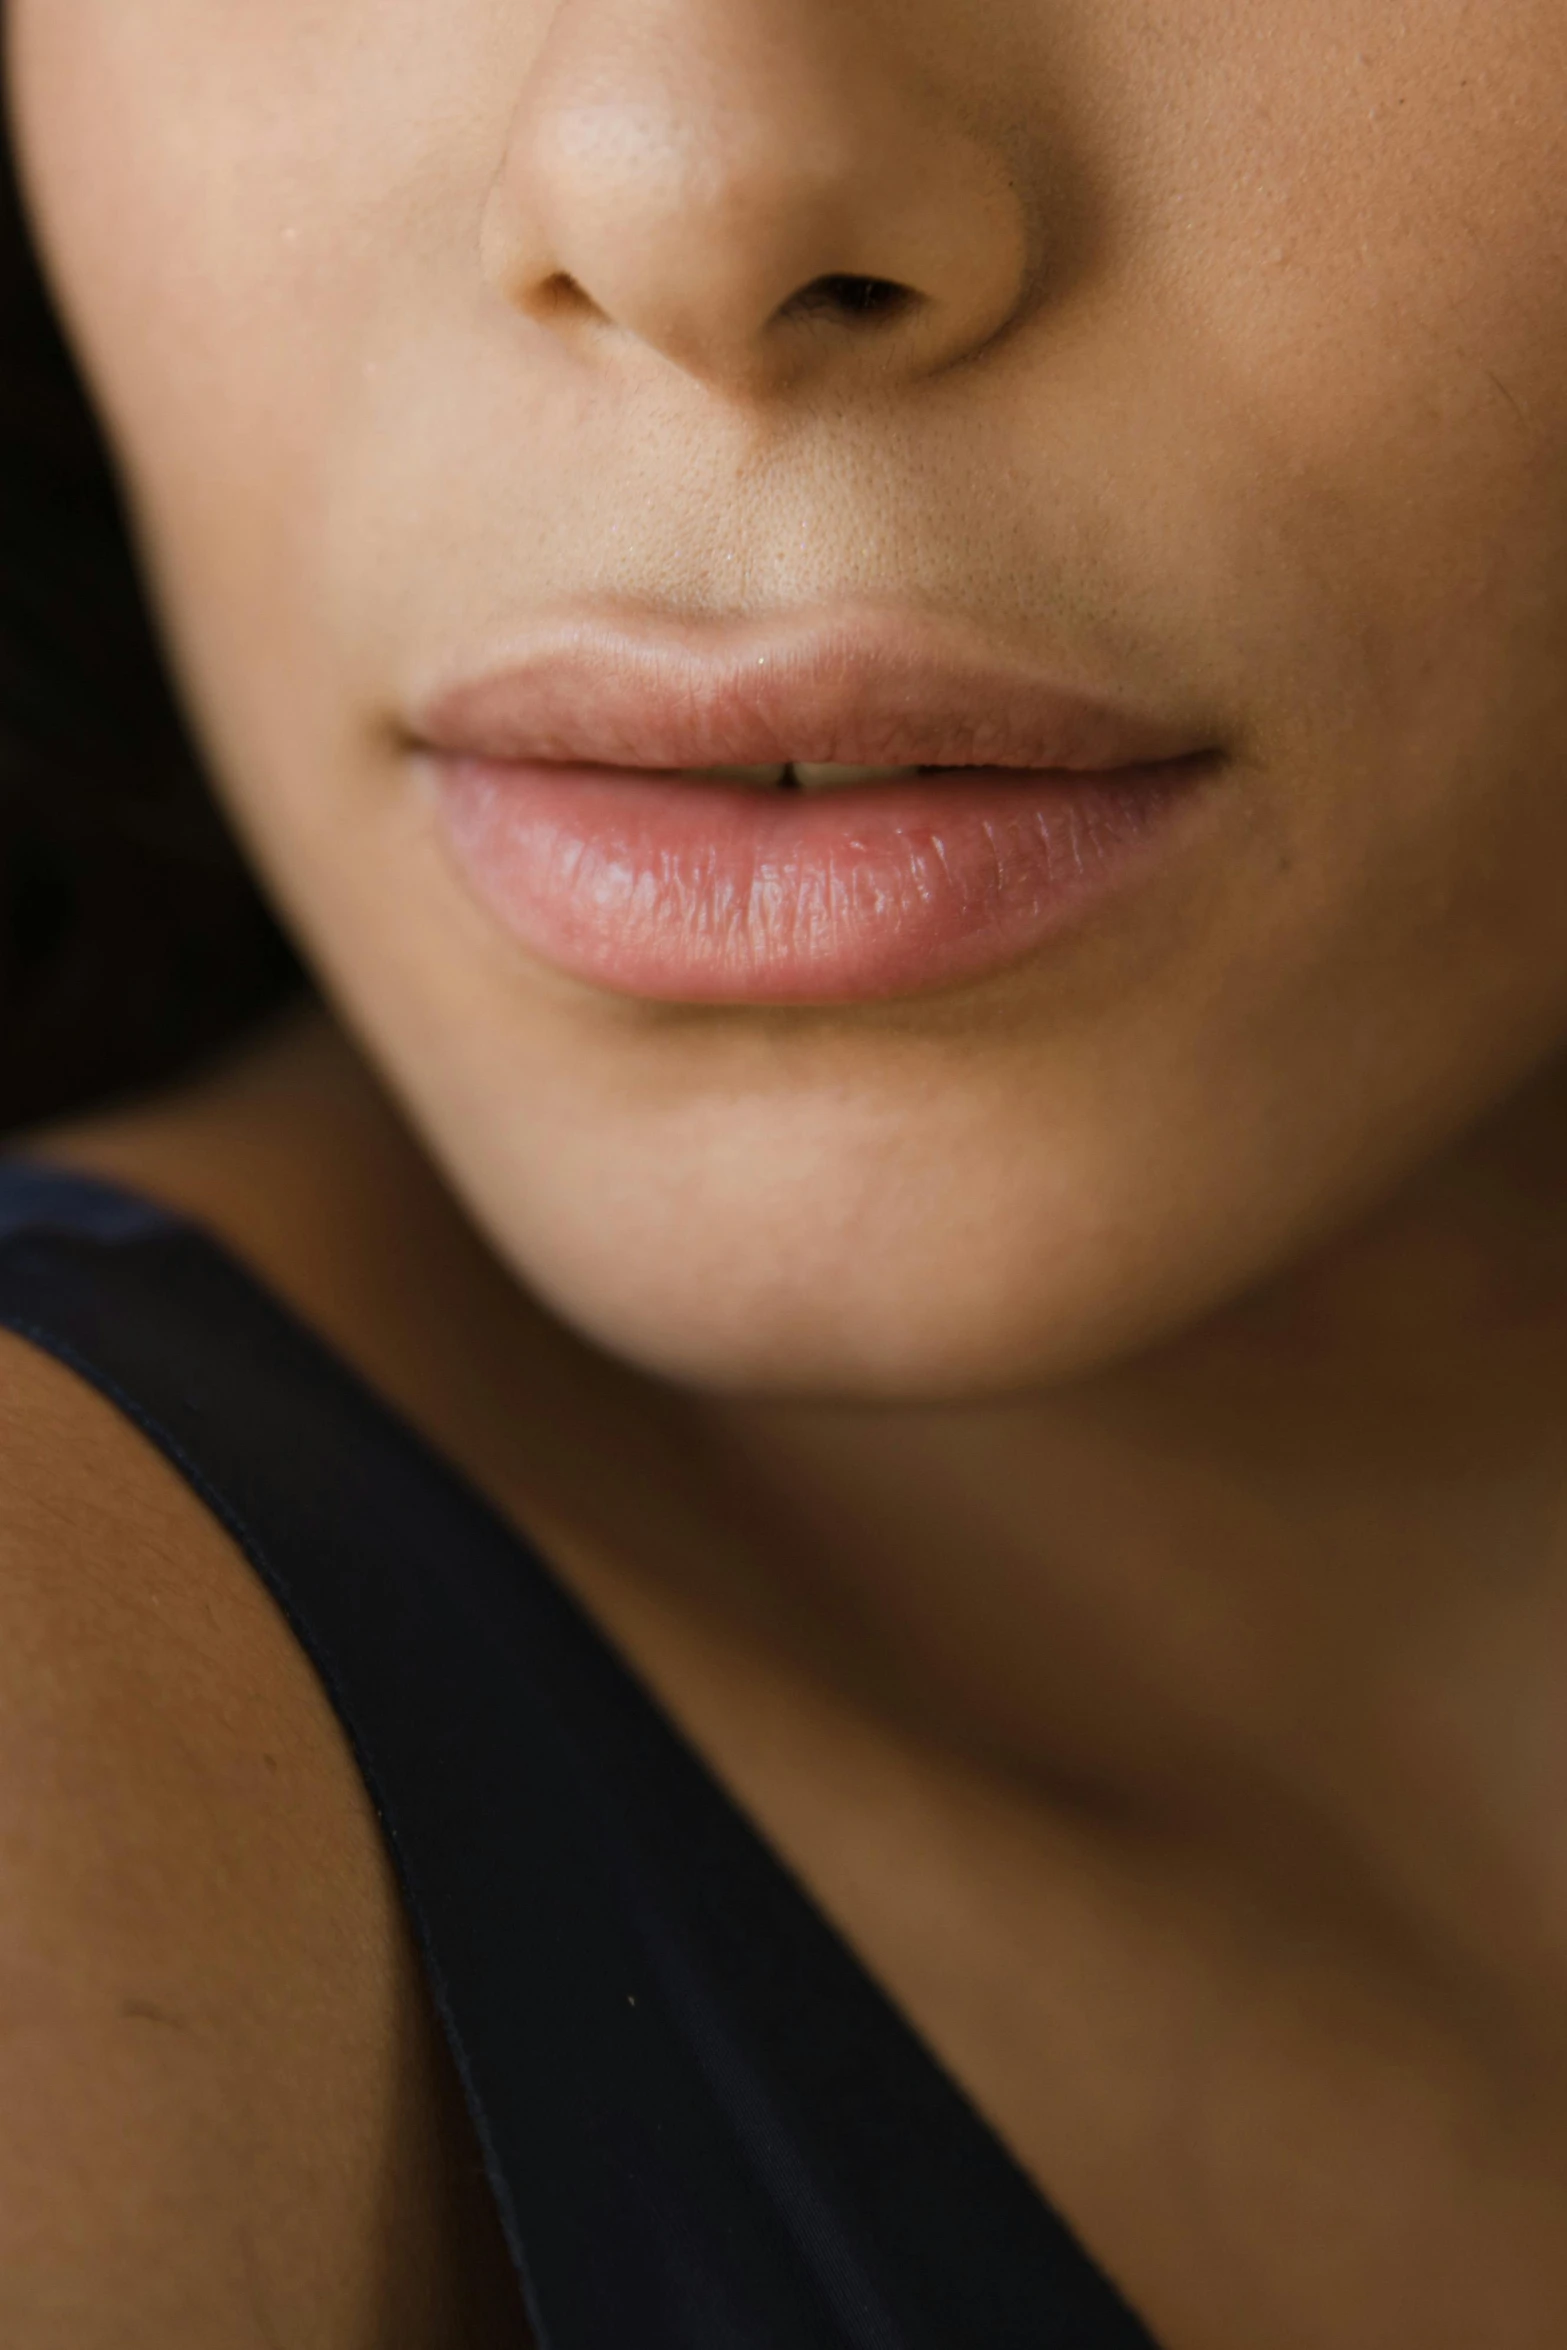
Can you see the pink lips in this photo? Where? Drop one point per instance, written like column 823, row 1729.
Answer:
column 567, row 792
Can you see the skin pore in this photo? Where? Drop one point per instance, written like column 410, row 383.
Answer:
column 1086, row 1442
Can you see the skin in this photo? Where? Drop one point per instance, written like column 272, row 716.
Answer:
column 1090, row 1472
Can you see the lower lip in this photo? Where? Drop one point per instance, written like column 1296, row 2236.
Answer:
column 681, row 890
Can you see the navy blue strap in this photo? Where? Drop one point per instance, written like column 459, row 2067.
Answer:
column 706, row 2127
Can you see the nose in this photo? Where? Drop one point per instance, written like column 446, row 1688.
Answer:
column 758, row 191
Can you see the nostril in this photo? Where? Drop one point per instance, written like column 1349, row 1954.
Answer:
column 560, row 296
column 855, row 301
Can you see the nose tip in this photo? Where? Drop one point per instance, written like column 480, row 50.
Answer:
column 737, row 187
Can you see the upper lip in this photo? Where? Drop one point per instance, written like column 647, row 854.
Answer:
column 873, row 691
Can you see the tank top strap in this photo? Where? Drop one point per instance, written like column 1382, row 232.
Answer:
column 705, row 2126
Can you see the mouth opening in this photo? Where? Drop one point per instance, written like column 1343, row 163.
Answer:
column 802, row 775
column 811, row 777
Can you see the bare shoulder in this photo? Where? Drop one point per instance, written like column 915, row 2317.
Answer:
column 222, row 2114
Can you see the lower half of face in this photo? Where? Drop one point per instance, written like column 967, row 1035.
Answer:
column 1195, row 590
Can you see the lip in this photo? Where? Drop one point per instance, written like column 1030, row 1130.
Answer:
column 564, row 784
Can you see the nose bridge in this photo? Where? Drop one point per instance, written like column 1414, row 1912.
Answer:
column 755, row 190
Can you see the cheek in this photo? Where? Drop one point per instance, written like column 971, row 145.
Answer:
column 241, row 208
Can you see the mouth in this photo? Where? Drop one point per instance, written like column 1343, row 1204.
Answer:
column 806, row 814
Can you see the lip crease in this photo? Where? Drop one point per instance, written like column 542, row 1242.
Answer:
column 565, row 785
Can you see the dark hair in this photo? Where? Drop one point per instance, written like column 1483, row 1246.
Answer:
column 132, row 939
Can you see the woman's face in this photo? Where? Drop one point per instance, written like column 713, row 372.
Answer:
column 499, row 381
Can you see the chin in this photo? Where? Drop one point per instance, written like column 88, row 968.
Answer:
column 933, row 1336
column 928, row 1282
column 931, row 1329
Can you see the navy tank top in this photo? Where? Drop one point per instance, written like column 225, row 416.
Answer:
column 705, row 2126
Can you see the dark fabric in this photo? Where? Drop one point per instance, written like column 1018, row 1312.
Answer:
column 705, row 2126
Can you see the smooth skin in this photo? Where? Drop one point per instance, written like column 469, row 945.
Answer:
column 1082, row 1454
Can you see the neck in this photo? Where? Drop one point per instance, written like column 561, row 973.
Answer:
column 1310, row 1558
